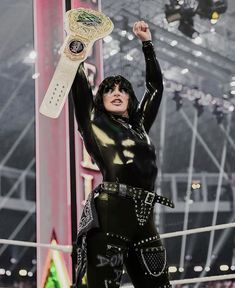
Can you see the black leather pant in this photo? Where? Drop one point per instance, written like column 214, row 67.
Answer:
column 120, row 241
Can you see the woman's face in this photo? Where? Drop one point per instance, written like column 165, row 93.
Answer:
column 116, row 101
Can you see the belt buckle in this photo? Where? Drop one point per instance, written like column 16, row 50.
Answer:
column 122, row 189
column 149, row 198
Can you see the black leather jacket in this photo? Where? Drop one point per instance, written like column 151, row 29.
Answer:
column 121, row 147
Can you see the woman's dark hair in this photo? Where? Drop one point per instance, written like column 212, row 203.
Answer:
column 109, row 83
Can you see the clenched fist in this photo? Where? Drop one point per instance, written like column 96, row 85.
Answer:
column 141, row 30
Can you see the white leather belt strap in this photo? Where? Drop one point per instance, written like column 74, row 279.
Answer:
column 83, row 27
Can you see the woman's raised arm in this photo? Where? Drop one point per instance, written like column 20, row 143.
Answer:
column 83, row 100
column 151, row 100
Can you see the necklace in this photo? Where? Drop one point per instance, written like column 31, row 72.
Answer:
column 121, row 121
column 137, row 132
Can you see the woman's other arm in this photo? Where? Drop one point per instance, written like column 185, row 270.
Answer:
column 83, row 100
column 151, row 100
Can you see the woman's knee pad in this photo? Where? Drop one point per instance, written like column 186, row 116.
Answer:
column 152, row 259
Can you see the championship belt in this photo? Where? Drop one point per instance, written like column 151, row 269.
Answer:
column 83, row 27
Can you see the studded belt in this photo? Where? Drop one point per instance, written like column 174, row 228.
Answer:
column 144, row 200
column 124, row 190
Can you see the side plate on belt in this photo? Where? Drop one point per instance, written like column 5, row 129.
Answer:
column 83, row 27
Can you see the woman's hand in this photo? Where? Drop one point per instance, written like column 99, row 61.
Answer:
column 141, row 30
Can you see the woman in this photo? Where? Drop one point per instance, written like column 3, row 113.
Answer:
column 115, row 131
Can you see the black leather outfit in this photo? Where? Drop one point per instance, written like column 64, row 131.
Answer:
column 124, row 153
